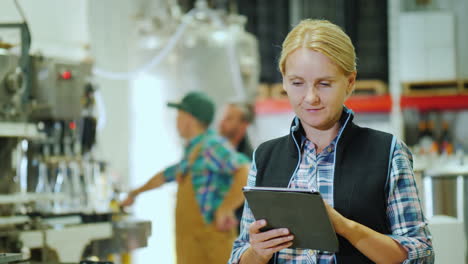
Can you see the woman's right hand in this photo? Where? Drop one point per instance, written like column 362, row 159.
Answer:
column 265, row 244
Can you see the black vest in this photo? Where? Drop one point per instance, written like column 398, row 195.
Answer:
column 361, row 171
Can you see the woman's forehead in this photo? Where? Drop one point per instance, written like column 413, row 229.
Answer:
column 305, row 62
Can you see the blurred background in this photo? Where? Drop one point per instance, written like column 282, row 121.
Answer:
column 83, row 116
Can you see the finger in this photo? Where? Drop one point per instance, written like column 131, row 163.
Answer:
column 273, row 243
column 254, row 228
column 267, row 235
column 277, row 248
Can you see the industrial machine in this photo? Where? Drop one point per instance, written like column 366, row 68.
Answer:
column 57, row 201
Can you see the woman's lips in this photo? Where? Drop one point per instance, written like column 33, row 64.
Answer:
column 314, row 110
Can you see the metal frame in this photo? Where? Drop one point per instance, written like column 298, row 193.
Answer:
column 25, row 59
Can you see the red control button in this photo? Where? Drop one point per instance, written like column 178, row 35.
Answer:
column 66, row 75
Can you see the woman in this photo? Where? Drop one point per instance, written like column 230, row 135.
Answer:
column 365, row 176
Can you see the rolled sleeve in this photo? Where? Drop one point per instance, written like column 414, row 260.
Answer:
column 417, row 254
column 241, row 244
column 404, row 211
column 171, row 172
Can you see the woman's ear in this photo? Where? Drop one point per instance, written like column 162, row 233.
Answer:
column 351, row 81
column 283, row 83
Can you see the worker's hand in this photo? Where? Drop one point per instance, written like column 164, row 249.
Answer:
column 338, row 221
column 225, row 220
column 128, row 201
column 265, row 244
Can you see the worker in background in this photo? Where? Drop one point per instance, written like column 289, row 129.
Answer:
column 236, row 118
column 210, row 175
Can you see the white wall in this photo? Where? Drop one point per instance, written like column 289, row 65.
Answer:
column 58, row 28
column 459, row 8
column 154, row 146
column 109, row 30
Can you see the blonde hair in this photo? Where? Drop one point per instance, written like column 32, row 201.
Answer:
column 324, row 37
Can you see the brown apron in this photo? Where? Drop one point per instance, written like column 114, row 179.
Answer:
column 196, row 241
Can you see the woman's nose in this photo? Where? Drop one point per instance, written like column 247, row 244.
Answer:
column 312, row 96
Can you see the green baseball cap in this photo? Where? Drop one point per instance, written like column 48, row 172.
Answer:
column 197, row 104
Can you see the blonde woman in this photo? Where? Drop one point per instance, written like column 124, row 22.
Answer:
column 365, row 176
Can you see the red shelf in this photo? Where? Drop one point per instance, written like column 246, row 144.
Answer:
column 440, row 102
column 377, row 103
column 272, row 106
column 370, row 103
column 358, row 103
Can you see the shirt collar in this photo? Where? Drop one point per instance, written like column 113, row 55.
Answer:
column 331, row 147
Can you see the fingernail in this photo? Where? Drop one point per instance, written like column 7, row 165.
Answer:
column 285, row 231
column 290, row 237
column 262, row 222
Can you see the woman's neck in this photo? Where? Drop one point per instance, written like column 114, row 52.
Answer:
column 321, row 138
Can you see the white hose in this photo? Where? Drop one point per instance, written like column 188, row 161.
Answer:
column 235, row 71
column 233, row 62
column 153, row 62
column 101, row 110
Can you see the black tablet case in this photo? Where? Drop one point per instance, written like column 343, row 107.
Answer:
column 302, row 212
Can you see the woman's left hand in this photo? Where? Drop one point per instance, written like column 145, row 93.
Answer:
column 377, row 247
column 339, row 222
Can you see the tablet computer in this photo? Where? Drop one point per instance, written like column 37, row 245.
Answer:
column 301, row 211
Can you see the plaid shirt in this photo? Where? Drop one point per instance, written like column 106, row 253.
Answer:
column 212, row 170
column 316, row 173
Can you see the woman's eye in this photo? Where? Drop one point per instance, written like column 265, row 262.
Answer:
column 297, row 83
column 324, row 84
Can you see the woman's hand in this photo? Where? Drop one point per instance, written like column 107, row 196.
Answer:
column 377, row 247
column 338, row 221
column 265, row 244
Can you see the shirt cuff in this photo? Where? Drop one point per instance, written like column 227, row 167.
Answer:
column 169, row 174
column 237, row 254
column 417, row 250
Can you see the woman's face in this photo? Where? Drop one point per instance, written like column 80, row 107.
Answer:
column 316, row 87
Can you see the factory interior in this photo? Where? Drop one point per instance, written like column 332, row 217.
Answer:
column 85, row 121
